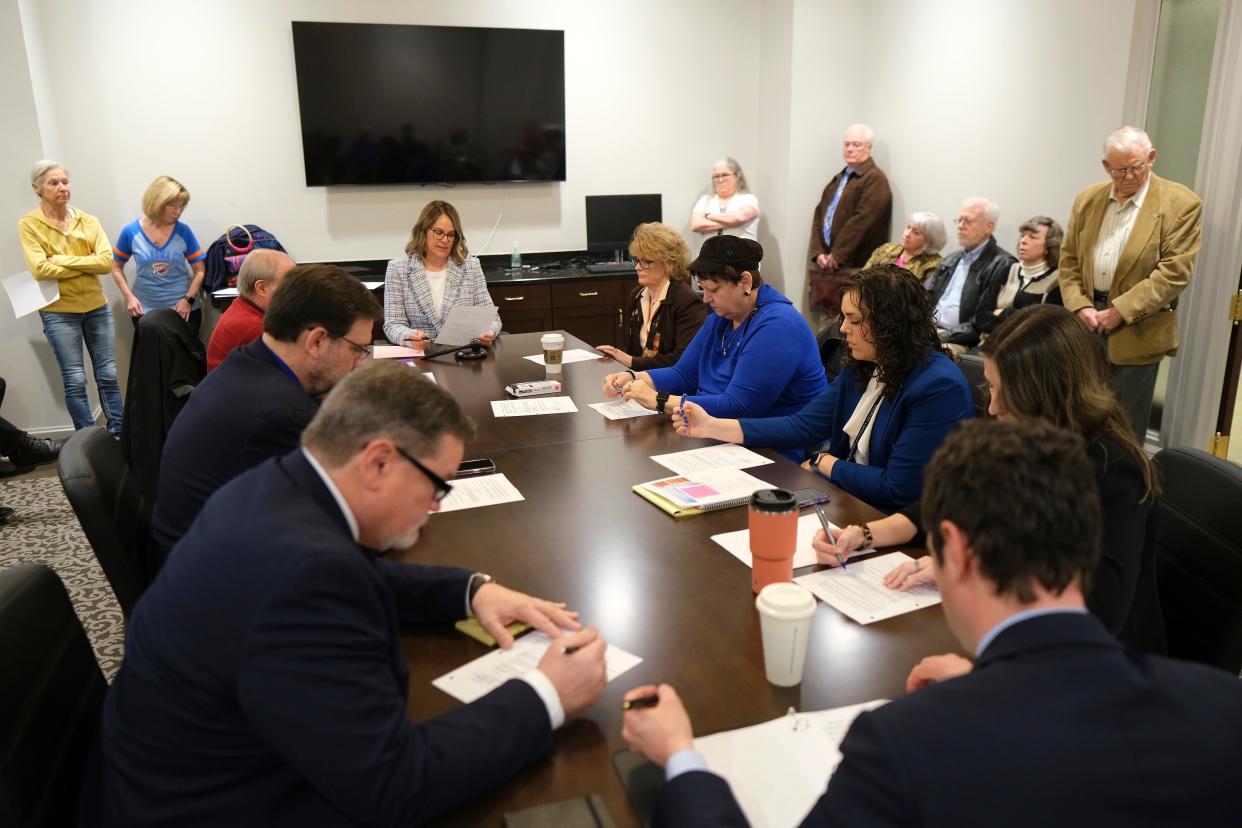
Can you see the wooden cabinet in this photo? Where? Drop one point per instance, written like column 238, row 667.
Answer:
column 523, row 308
column 590, row 309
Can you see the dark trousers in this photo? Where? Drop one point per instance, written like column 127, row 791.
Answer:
column 1135, row 386
column 195, row 321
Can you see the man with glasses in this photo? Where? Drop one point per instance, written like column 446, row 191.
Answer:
column 316, row 330
column 957, row 284
column 264, row 679
column 1129, row 250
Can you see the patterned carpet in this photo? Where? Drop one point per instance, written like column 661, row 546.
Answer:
column 44, row 528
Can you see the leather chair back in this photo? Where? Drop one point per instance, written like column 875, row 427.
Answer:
column 972, row 367
column 1199, row 556
column 51, row 698
column 832, row 349
column 112, row 510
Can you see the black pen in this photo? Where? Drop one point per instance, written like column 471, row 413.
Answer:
column 569, row 650
column 640, row 702
column 823, row 520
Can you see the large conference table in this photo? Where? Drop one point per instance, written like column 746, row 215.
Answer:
column 657, row 587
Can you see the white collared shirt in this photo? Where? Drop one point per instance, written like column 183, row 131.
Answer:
column 1115, row 230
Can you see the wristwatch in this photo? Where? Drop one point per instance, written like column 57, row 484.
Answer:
column 661, row 401
column 477, row 580
column 188, row 298
column 815, row 458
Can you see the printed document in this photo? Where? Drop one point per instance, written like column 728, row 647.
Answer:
column 572, row 355
column 28, row 294
column 466, row 322
column 778, row 769
column 483, row 675
column 396, row 352
column 484, row 490
column 738, row 543
column 621, row 409
column 859, row 592
column 697, row 461
column 533, row 405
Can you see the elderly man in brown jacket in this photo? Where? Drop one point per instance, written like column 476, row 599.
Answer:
column 1129, row 250
column 851, row 220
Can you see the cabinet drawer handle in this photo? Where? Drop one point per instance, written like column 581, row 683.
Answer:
column 588, row 293
column 514, row 298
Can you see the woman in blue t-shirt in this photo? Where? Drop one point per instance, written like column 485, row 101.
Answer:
column 168, row 260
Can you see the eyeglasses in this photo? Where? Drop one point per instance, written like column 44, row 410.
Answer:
column 1122, row 173
column 721, row 176
column 441, row 235
column 643, row 263
column 442, row 486
column 966, row 221
column 364, row 351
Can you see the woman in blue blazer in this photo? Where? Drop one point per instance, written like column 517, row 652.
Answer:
column 436, row 274
column 898, row 396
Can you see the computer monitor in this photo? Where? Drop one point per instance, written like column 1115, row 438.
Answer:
column 611, row 219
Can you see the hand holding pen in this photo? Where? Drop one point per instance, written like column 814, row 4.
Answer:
column 822, row 550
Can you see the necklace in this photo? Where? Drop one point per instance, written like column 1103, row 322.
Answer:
column 737, row 332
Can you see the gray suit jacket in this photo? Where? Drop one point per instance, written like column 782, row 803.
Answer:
column 407, row 297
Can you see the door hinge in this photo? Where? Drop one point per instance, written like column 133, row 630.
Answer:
column 1218, row 446
column 1235, row 308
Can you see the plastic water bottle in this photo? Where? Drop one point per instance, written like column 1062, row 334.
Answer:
column 515, row 258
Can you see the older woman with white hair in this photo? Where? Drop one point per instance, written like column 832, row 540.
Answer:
column 919, row 248
column 64, row 245
column 731, row 209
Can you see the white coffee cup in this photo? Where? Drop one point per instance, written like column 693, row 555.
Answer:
column 553, row 349
column 785, row 613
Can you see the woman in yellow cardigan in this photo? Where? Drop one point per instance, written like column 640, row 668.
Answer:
column 69, row 246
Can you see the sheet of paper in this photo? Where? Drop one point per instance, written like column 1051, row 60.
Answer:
column 465, row 322
column 27, row 294
column 396, row 352
column 859, row 591
column 707, row 488
column 738, row 543
column 225, row 293
column 373, row 285
column 533, row 405
column 778, row 769
column 697, row 461
column 486, row 673
column 484, row 490
column 621, row 409
column 427, row 375
column 572, row 355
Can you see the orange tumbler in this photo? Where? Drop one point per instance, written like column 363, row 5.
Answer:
column 773, row 536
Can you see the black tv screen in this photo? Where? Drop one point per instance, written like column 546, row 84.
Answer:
column 387, row 104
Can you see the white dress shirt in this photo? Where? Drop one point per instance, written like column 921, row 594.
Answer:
column 1114, row 233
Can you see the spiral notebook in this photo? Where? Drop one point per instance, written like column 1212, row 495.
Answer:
column 682, row 496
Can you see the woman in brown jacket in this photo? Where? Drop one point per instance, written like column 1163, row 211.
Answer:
column 664, row 311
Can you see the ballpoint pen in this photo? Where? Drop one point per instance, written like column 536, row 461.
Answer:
column 641, row 701
column 823, row 521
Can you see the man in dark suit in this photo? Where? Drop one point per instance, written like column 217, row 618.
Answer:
column 254, row 406
column 957, row 284
column 264, row 680
column 1055, row 724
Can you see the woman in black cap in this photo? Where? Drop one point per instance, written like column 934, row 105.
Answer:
column 756, row 357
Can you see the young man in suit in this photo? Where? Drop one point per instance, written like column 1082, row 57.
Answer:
column 1054, row 723
column 264, row 680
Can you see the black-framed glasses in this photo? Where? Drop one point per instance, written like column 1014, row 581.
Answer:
column 442, row 234
column 1120, row 174
column 643, row 263
column 442, row 486
column 363, row 350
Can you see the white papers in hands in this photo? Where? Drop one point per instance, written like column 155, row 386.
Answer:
column 484, row 490
column 483, row 675
column 572, row 355
column 859, row 591
column 778, row 769
column 466, row 322
column 395, row 352
column 27, row 294
column 738, row 543
column 533, row 405
column 696, row 461
column 621, row 409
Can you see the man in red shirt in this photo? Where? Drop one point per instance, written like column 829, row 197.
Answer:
column 242, row 321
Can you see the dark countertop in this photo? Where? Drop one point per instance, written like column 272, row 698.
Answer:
column 537, row 268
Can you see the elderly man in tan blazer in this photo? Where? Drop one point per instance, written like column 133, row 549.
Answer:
column 1129, row 250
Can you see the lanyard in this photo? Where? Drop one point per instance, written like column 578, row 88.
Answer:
column 866, row 422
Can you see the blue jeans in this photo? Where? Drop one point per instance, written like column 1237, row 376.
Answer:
column 66, row 332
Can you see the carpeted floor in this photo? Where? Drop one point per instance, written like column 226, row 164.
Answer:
column 44, row 528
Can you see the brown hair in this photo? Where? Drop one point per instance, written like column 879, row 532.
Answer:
column 654, row 240
column 1052, row 240
column 1053, row 368
column 430, row 214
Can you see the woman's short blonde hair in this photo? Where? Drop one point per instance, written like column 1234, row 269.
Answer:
column 663, row 244
column 429, row 216
column 163, row 191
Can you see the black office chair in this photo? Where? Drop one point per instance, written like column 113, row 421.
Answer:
column 51, row 695
column 972, row 367
column 114, row 514
column 832, row 349
column 1199, row 556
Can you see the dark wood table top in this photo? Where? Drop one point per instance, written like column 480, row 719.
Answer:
column 659, row 588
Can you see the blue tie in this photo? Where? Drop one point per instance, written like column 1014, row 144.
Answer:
column 832, row 207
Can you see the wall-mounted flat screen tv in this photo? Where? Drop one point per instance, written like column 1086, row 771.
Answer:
column 387, row 104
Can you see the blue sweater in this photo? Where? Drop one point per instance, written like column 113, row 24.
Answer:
column 772, row 367
column 906, row 432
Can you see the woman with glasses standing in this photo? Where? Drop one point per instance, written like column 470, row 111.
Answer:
column 65, row 245
column 665, row 312
column 436, row 274
column 731, row 210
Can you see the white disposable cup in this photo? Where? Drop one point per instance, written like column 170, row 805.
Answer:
column 785, row 612
column 553, row 348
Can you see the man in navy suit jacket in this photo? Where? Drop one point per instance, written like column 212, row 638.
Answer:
column 1055, row 724
column 264, row 681
column 255, row 405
